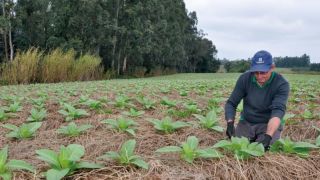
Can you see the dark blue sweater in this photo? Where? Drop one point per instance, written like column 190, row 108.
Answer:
column 260, row 104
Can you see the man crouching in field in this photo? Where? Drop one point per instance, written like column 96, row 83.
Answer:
column 265, row 95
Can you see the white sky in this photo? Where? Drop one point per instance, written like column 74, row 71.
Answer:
column 239, row 28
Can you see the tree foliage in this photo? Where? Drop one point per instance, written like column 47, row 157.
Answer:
column 129, row 35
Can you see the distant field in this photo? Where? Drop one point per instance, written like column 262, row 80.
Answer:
column 177, row 96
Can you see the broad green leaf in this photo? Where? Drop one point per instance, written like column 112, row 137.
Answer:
column 318, row 141
column 131, row 131
column 54, row 174
column 18, row 164
column 48, row 156
column 76, row 150
column 222, row 143
column 193, row 142
column 6, row 176
column 140, row 163
column 11, row 127
column 34, row 126
column 180, row 124
column 127, row 148
column 218, row 128
column 3, row 156
column 304, row 145
column 209, row 153
column 110, row 155
column 169, row 149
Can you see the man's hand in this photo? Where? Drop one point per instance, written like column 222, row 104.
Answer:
column 230, row 128
column 265, row 141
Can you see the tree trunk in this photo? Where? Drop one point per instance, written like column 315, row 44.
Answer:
column 114, row 39
column 118, row 67
column 5, row 32
column 10, row 42
column 124, row 67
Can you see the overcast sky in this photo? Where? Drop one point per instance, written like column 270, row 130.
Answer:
column 239, row 28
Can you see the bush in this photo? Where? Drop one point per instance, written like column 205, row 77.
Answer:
column 57, row 66
column 87, row 67
column 23, row 69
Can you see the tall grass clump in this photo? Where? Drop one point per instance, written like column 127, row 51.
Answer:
column 87, row 67
column 34, row 66
column 23, row 69
column 57, row 66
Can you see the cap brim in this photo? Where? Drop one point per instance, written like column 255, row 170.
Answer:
column 260, row 68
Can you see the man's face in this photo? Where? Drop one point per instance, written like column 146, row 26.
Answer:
column 263, row 77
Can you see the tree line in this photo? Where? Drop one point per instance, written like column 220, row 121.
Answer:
column 130, row 36
column 297, row 63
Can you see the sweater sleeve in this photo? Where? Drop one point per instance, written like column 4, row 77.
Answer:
column 278, row 106
column 237, row 94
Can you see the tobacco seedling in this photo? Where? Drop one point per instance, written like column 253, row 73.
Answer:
column 3, row 115
column 133, row 113
column 73, row 130
column 122, row 101
column 66, row 162
column 170, row 103
column 126, row 155
column 13, row 108
column 147, row 103
column 241, row 147
column 37, row 115
column 189, row 150
column 167, row 126
column 71, row 112
column 6, row 167
column 122, row 125
column 318, row 138
column 288, row 146
column 209, row 121
column 25, row 131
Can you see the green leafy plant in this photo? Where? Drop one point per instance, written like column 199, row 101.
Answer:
column 24, row 131
column 307, row 114
column 122, row 125
column 6, row 167
column 38, row 103
column 191, row 108
column 209, row 121
column 318, row 138
column 288, row 118
column 170, row 103
column 93, row 104
column 147, row 103
column 241, row 147
column 126, row 155
column 3, row 115
column 37, row 115
column 167, row 126
column 73, row 130
column 13, row 108
column 122, row 101
column 72, row 113
column 66, row 162
column 288, row 146
column 189, row 150
column 133, row 113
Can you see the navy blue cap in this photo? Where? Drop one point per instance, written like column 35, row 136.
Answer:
column 261, row 61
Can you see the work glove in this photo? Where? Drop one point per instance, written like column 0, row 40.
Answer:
column 230, row 129
column 265, row 141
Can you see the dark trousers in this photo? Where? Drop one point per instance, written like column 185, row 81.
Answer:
column 254, row 132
